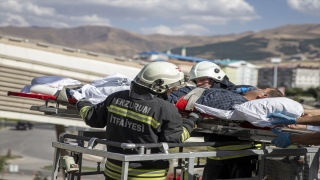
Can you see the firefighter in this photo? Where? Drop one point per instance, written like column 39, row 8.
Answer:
column 209, row 75
column 142, row 115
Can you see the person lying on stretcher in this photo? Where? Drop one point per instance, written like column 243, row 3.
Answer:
column 219, row 98
column 252, row 106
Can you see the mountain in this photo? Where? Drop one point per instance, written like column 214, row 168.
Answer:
column 282, row 42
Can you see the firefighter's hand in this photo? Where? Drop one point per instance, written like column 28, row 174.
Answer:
column 282, row 140
column 281, row 119
column 82, row 103
column 197, row 116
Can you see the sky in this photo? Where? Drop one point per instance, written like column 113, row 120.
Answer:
column 169, row 17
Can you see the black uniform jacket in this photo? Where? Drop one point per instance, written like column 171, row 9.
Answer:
column 138, row 116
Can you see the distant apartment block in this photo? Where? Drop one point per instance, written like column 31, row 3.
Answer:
column 290, row 77
column 239, row 72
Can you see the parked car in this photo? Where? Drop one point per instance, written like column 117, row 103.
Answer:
column 316, row 104
column 24, row 125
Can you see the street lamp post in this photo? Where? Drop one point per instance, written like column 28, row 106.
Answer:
column 318, row 89
column 275, row 61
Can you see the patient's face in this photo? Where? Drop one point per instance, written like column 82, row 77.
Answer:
column 255, row 94
column 266, row 90
column 203, row 82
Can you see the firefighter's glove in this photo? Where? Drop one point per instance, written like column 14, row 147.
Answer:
column 279, row 118
column 196, row 117
column 82, row 103
column 282, row 140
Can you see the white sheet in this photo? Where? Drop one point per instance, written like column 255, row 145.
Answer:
column 54, row 81
column 99, row 89
column 256, row 111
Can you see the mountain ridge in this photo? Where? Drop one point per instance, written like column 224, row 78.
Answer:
column 282, row 41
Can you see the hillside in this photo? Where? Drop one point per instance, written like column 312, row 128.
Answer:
column 282, row 41
column 279, row 42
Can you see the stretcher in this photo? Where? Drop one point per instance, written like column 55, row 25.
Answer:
column 187, row 161
column 210, row 125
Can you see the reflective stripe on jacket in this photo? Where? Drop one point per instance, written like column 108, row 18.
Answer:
column 113, row 171
column 232, row 148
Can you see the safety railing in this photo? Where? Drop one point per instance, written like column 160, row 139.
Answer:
column 311, row 155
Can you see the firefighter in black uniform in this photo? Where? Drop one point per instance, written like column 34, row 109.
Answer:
column 142, row 115
column 209, row 75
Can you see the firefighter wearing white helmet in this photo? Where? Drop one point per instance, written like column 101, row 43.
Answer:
column 206, row 73
column 209, row 75
column 160, row 77
column 206, row 69
column 142, row 115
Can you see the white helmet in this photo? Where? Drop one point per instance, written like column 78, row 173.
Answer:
column 206, row 69
column 160, row 77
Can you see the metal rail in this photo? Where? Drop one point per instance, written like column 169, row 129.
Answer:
column 144, row 154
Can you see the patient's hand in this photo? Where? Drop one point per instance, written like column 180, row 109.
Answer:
column 297, row 126
column 308, row 115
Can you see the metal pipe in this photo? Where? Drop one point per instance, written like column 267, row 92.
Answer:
column 275, row 75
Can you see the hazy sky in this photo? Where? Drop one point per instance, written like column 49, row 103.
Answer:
column 171, row 17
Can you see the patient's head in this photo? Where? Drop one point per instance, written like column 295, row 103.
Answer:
column 262, row 93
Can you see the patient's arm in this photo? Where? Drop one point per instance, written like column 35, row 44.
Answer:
column 297, row 126
column 309, row 120
column 307, row 139
column 312, row 112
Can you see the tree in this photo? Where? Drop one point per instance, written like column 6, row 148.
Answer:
column 40, row 176
column 3, row 163
column 313, row 91
column 294, row 91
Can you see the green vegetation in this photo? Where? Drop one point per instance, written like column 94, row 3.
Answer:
column 3, row 163
column 303, row 45
column 288, row 50
column 246, row 48
column 40, row 176
column 249, row 48
column 295, row 92
column 315, row 42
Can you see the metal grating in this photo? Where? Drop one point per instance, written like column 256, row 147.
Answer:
column 285, row 168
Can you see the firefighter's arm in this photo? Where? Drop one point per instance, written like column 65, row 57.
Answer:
column 189, row 124
column 93, row 115
column 177, row 129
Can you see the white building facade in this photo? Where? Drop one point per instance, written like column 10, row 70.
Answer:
column 306, row 77
column 241, row 72
column 289, row 76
